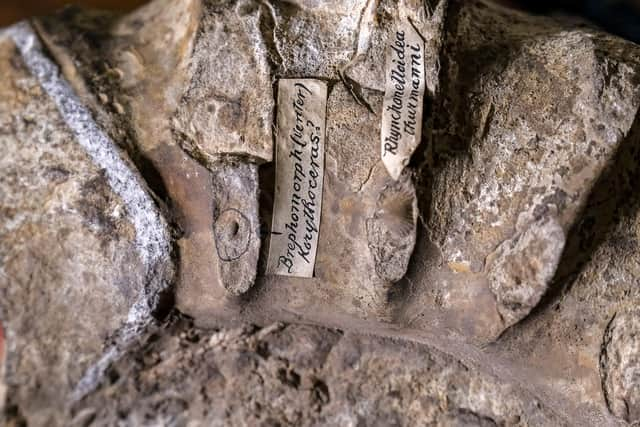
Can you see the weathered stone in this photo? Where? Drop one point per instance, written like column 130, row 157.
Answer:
column 314, row 39
column 302, row 375
column 228, row 105
column 508, row 152
column 84, row 252
column 597, row 280
column 236, row 225
column 620, row 365
column 509, row 241
column 377, row 26
column 391, row 230
column 521, row 268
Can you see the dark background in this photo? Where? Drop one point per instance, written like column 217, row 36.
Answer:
column 620, row 17
column 15, row 10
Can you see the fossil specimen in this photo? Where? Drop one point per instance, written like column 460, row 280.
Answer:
column 486, row 276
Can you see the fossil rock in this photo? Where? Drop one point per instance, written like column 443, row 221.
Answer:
column 505, row 247
column 236, row 226
column 227, row 108
column 84, row 252
column 620, row 365
column 301, row 375
column 391, row 230
column 508, row 153
column 523, row 266
column 571, row 333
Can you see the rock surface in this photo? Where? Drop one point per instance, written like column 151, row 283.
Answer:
column 228, row 105
column 300, row 375
column 76, row 270
column 507, row 248
column 620, row 365
column 518, row 153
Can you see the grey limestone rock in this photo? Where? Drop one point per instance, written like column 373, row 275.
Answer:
column 84, row 252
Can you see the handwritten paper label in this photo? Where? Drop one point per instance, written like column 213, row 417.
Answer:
column 403, row 97
column 302, row 105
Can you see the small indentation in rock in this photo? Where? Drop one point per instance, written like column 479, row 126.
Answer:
column 320, row 392
column 289, row 377
column 232, row 232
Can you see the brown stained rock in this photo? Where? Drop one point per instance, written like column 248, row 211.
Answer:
column 206, row 108
column 204, row 275
column 75, row 268
column 620, row 365
column 502, row 151
column 302, row 375
column 367, row 219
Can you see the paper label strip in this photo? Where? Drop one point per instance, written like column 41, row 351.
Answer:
column 300, row 149
column 401, row 128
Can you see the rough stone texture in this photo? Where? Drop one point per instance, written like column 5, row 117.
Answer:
column 71, row 272
column 507, row 151
column 507, row 246
column 378, row 24
column 228, row 106
column 3, row 385
column 314, row 39
column 530, row 258
column 568, row 336
column 620, row 365
column 391, row 230
column 183, row 65
column 372, row 225
column 236, row 225
column 300, row 375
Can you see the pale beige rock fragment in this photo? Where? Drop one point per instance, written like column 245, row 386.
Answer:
column 236, row 226
column 522, row 267
column 314, row 39
column 227, row 111
column 620, row 365
column 228, row 106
